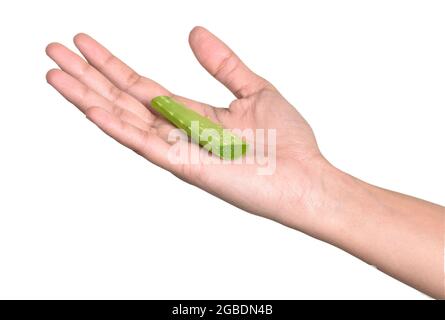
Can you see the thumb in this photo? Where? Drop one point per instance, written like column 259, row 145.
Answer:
column 223, row 64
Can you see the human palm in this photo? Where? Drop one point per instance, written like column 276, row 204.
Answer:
column 117, row 99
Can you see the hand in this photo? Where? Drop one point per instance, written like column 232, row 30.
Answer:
column 401, row 235
column 117, row 99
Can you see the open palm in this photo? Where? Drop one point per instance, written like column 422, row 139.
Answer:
column 117, row 99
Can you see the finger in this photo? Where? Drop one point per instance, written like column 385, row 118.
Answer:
column 125, row 78
column 223, row 64
column 118, row 72
column 77, row 67
column 145, row 143
column 83, row 97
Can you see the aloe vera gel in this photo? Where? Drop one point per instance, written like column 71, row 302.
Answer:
column 210, row 135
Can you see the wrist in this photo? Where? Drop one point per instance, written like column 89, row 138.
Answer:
column 342, row 201
column 331, row 199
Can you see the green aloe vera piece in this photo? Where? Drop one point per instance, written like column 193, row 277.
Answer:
column 217, row 140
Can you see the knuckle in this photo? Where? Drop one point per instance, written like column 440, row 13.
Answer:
column 132, row 79
column 114, row 94
column 226, row 66
column 119, row 112
column 109, row 60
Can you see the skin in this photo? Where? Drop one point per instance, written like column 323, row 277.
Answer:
column 401, row 235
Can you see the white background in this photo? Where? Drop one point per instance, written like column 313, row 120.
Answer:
column 83, row 217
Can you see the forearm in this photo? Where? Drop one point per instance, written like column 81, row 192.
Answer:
column 400, row 235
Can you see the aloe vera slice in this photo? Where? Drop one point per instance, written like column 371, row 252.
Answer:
column 220, row 142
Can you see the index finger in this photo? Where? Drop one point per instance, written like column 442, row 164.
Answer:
column 120, row 74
